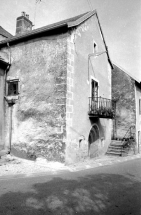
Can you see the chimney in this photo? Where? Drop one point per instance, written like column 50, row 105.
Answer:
column 23, row 24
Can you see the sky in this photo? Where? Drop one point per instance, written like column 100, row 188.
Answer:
column 120, row 21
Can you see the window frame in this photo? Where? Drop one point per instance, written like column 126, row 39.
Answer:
column 93, row 79
column 10, row 82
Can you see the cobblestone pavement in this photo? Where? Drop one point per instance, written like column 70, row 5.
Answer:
column 11, row 165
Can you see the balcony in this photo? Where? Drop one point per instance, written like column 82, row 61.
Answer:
column 101, row 107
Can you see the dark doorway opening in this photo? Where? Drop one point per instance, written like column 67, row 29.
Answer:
column 93, row 141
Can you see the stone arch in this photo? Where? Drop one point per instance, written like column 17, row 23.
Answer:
column 93, row 141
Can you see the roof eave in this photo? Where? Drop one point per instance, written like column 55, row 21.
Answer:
column 49, row 28
column 32, row 33
column 135, row 79
column 81, row 19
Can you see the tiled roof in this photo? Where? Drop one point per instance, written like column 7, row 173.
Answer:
column 71, row 22
column 5, row 33
column 68, row 23
column 129, row 74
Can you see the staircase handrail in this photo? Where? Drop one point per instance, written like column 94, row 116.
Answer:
column 126, row 139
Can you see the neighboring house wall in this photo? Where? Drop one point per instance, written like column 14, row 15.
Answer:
column 39, row 114
column 80, row 70
column 138, row 115
column 123, row 90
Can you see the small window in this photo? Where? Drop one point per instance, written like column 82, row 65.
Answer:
column 139, row 106
column 13, row 87
column 95, row 47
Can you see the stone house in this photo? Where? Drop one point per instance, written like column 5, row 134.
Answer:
column 57, row 96
column 126, row 90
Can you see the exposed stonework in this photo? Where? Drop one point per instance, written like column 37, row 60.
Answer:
column 123, row 90
column 70, row 83
column 39, row 115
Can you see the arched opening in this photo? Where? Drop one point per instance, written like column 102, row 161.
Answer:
column 93, row 140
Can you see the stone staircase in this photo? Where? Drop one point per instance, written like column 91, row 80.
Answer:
column 125, row 146
column 116, row 148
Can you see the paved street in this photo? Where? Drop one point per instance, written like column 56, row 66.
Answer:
column 106, row 190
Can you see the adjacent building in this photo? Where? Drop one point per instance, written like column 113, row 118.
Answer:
column 126, row 90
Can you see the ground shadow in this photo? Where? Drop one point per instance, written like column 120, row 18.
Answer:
column 99, row 194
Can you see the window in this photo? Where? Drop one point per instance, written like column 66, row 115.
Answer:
column 94, row 88
column 13, row 87
column 94, row 93
column 139, row 106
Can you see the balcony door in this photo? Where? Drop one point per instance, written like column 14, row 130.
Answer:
column 94, row 88
column 94, row 94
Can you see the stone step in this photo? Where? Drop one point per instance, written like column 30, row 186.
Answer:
column 116, row 150
column 116, row 153
column 115, row 146
column 113, row 153
column 116, row 142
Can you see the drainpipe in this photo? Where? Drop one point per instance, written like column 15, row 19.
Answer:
column 10, row 103
column 10, row 124
column 93, row 55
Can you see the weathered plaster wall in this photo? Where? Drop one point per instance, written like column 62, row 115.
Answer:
column 138, row 116
column 79, row 70
column 123, row 90
column 39, row 114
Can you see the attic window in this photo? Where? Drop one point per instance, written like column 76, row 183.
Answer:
column 95, row 47
column 13, row 86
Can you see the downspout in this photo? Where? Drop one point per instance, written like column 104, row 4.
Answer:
column 93, row 55
column 10, row 105
column 7, row 66
column 11, row 108
column 5, row 77
column 10, row 124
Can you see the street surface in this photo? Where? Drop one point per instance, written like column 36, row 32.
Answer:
column 106, row 190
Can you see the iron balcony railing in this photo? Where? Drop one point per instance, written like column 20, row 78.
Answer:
column 101, row 107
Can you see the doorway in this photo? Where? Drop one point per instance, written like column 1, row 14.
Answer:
column 93, row 141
